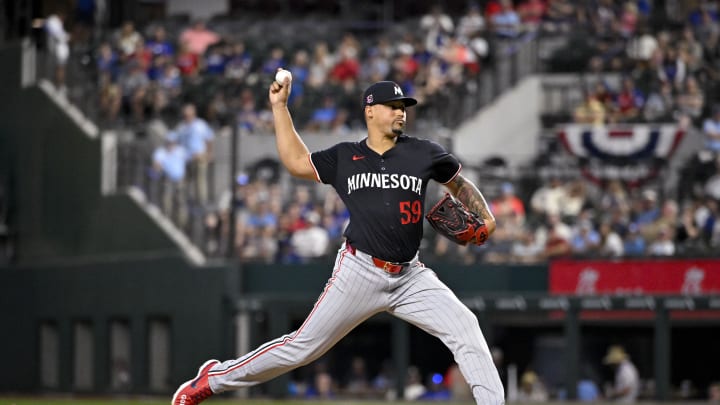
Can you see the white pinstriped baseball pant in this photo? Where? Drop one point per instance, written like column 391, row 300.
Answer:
column 356, row 291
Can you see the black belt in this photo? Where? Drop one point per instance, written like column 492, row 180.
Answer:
column 386, row 266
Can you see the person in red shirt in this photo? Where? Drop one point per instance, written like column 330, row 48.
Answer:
column 187, row 62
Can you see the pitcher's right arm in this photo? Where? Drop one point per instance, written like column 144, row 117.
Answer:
column 293, row 152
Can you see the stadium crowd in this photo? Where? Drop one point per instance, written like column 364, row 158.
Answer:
column 198, row 79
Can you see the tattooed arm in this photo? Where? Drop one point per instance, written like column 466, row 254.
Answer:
column 465, row 191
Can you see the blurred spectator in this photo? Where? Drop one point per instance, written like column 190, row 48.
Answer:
column 611, row 244
column 375, row 68
column 630, row 102
column 196, row 136
column 134, row 84
column 559, row 16
column 107, row 61
column 382, row 383
column 585, row 240
column 142, row 55
column 168, row 174
column 215, row 60
column 687, row 233
column 666, row 221
column 187, row 61
column 110, row 101
column 58, row 45
column 239, row 62
column 508, row 205
column 714, row 393
column 357, row 384
column 275, row 60
column 587, row 388
column 198, row 38
column 557, row 243
column 258, row 228
column 436, row 389
column 248, row 116
column 531, row 388
column 634, row 243
column 437, row 27
column 591, row 111
column 641, row 47
column 575, row 198
column 414, row 387
column 471, row 23
column 169, row 86
column 506, row 23
column 525, row 249
column 323, row 385
column 645, row 209
column 711, row 131
column 627, row 381
column 615, row 196
column 321, row 62
column 531, row 13
column 455, row 382
column 127, row 40
column 707, row 30
column 322, row 117
column 300, row 69
column 691, row 100
column 498, row 357
column 712, row 185
column 509, row 213
column 159, row 45
column 664, row 244
column 660, row 103
column 548, row 199
column 313, row 241
column 628, row 19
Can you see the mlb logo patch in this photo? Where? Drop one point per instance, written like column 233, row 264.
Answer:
column 369, row 99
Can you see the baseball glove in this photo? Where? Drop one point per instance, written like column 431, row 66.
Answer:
column 451, row 218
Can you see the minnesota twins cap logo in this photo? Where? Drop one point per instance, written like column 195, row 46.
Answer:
column 384, row 92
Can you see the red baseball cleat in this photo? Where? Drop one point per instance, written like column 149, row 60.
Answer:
column 196, row 390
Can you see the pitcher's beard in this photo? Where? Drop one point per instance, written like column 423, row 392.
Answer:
column 398, row 131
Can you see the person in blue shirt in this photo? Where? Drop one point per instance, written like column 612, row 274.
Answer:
column 196, row 136
column 634, row 244
column 168, row 172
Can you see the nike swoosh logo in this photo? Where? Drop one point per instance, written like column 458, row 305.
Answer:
column 194, row 383
column 356, row 157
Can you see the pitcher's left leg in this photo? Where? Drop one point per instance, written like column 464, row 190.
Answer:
column 425, row 301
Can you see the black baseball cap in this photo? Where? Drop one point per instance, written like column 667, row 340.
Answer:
column 385, row 91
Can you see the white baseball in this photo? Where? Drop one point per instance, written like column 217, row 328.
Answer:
column 283, row 74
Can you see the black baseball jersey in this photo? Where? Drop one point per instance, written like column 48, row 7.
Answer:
column 385, row 194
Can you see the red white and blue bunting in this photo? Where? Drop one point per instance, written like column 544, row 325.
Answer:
column 632, row 153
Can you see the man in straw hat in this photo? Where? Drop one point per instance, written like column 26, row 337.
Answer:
column 627, row 381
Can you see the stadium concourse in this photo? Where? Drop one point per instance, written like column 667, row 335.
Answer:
column 608, row 185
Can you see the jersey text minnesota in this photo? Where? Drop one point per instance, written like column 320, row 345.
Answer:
column 384, row 180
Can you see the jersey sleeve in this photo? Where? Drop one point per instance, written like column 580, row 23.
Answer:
column 325, row 164
column 445, row 166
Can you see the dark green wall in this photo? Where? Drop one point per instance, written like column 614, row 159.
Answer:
column 195, row 300
column 464, row 280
